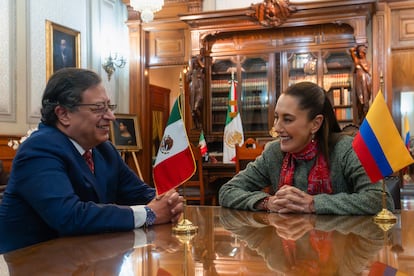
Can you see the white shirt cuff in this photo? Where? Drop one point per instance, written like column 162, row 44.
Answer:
column 140, row 215
column 4, row 269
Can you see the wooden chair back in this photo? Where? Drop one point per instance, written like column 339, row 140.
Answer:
column 195, row 189
column 247, row 152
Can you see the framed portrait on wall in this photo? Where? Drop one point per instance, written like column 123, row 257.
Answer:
column 62, row 48
column 125, row 134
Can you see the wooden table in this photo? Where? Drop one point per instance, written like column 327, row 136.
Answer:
column 228, row 242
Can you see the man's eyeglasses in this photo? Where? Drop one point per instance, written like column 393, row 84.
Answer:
column 100, row 108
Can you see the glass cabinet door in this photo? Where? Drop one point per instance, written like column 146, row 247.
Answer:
column 251, row 74
column 332, row 70
column 302, row 67
column 221, row 72
column 337, row 81
column 254, row 94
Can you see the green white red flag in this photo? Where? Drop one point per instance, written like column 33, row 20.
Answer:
column 233, row 131
column 202, row 143
column 175, row 162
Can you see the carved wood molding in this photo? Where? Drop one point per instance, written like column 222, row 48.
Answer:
column 354, row 13
column 272, row 13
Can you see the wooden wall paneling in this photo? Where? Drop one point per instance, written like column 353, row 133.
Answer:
column 162, row 42
column 139, row 102
column 381, row 52
column 403, row 28
column 393, row 51
column 402, row 79
column 167, row 47
column 402, row 65
column 402, row 53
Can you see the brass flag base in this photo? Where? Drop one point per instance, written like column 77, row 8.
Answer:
column 385, row 219
column 185, row 227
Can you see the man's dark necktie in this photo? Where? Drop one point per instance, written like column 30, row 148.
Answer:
column 88, row 158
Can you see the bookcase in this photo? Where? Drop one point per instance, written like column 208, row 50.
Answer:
column 338, row 82
column 332, row 69
column 340, row 97
column 311, row 45
column 252, row 85
column 262, row 77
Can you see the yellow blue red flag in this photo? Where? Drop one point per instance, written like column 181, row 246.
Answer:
column 407, row 131
column 378, row 143
column 381, row 269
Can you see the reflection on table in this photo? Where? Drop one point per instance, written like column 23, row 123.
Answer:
column 229, row 242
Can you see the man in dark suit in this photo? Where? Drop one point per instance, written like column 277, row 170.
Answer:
column 53, row 191
column 63, row 57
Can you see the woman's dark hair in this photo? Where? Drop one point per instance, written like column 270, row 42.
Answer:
column 313, row 98
column 65, row 88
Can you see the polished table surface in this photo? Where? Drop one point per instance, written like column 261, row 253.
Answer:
column 229, row 242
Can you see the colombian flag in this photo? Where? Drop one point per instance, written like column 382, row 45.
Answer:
column 381, row 269
column 407, row 131
column 378, row 143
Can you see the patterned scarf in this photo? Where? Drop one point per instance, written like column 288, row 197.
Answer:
column 319, row 181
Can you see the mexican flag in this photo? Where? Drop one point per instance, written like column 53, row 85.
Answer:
column 175, row 162
column 202, row 143
column 233, row 131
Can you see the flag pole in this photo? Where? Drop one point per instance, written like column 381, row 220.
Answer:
column 185, row 226
column 385, row 216
column 182, row 102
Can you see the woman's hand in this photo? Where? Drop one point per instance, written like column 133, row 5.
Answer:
column 289, row 199
column 291, row 227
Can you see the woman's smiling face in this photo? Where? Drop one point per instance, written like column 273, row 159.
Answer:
column 292, row 124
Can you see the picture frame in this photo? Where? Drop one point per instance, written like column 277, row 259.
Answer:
column 125, row 132
column 62, row 47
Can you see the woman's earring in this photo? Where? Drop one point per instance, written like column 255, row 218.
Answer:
column 313, row 137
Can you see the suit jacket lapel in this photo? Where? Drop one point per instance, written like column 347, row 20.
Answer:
column 99, row 180
column 95, row 180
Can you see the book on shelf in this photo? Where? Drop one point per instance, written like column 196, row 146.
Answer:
column 346, row 96
column 343, row 114
column 336, row 96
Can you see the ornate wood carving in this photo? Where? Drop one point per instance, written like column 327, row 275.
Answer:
column 272, row 13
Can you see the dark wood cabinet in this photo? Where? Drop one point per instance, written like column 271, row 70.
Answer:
column 264, row 62
column 248, row 40
column 310, row 42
